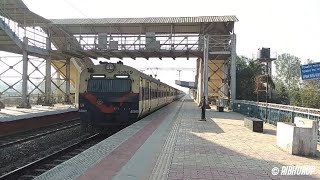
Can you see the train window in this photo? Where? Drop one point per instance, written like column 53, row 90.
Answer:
column 153, row 94
column 142, row 93
column 109, row 85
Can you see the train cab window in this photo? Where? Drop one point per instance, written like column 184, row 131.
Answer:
column 109, row 85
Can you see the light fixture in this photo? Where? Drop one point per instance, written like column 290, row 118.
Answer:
column 122, row 76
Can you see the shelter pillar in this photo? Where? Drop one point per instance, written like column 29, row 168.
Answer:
column 48, row 75
column 225, row 80
column 77, row 87
column 200, row 82
column 58, row 83
column 67, row 97
column 233, row 68
column 25, row 100
column 205, row 70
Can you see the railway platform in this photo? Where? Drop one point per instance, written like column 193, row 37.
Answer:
column 14, row 120
column 13, row 113
column 172, row 143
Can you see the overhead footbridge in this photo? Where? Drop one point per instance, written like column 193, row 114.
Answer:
column 69, row 45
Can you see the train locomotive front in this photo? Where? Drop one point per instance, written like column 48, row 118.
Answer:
column 108, row 96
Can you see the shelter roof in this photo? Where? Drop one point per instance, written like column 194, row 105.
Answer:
column 147, row 20
column 164, row 25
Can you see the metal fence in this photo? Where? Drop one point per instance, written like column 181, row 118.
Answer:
column 273, row 113
column 35, row 99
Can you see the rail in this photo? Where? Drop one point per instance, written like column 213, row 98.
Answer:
column 25, row 170
column 35, row 133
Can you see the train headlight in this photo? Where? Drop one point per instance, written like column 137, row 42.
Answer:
column 109, row 67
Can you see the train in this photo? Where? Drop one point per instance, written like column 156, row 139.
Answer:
column 113, row 94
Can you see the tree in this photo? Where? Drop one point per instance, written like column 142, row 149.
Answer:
column 296, row 97
column 281, row 92
column 245, row 79
column 247, row 71
column 288, row 70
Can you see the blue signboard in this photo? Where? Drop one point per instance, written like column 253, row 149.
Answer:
column 310, row 71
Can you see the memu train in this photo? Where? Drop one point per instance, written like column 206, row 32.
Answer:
column 113, row 94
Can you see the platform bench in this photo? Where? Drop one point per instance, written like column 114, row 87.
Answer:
column 254, row 124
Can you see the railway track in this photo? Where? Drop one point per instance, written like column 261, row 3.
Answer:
column 34, row 169
column 33, row 134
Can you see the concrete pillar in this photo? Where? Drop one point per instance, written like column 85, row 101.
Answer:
column 200, row 82
column 77, row 87
column 58, row 82
column 48, row 76
column 78, row 71
column 67, row 97
column 233, row 68
column 205, row 69
column 195, row 96
column 270, row 74
column 225, row 77
column 25, row 100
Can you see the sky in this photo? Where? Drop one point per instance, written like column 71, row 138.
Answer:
column 285, row 26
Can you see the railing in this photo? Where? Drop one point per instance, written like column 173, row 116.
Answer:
column 273, row 113
column 36, row 36
column 181, row 42
column 35, row 99
column 15, row 28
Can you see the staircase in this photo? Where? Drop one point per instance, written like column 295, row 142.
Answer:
column 8, row 37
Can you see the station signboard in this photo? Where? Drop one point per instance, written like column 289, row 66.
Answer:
column 310, row 71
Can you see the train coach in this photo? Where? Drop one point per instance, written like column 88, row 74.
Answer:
column 113, row 94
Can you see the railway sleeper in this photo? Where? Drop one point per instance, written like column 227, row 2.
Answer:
column 59, row 161
column 27, row 177
column 74, row 153
column 41, row 170
column 65, row 157
column 81, row 149
column 49, row 166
